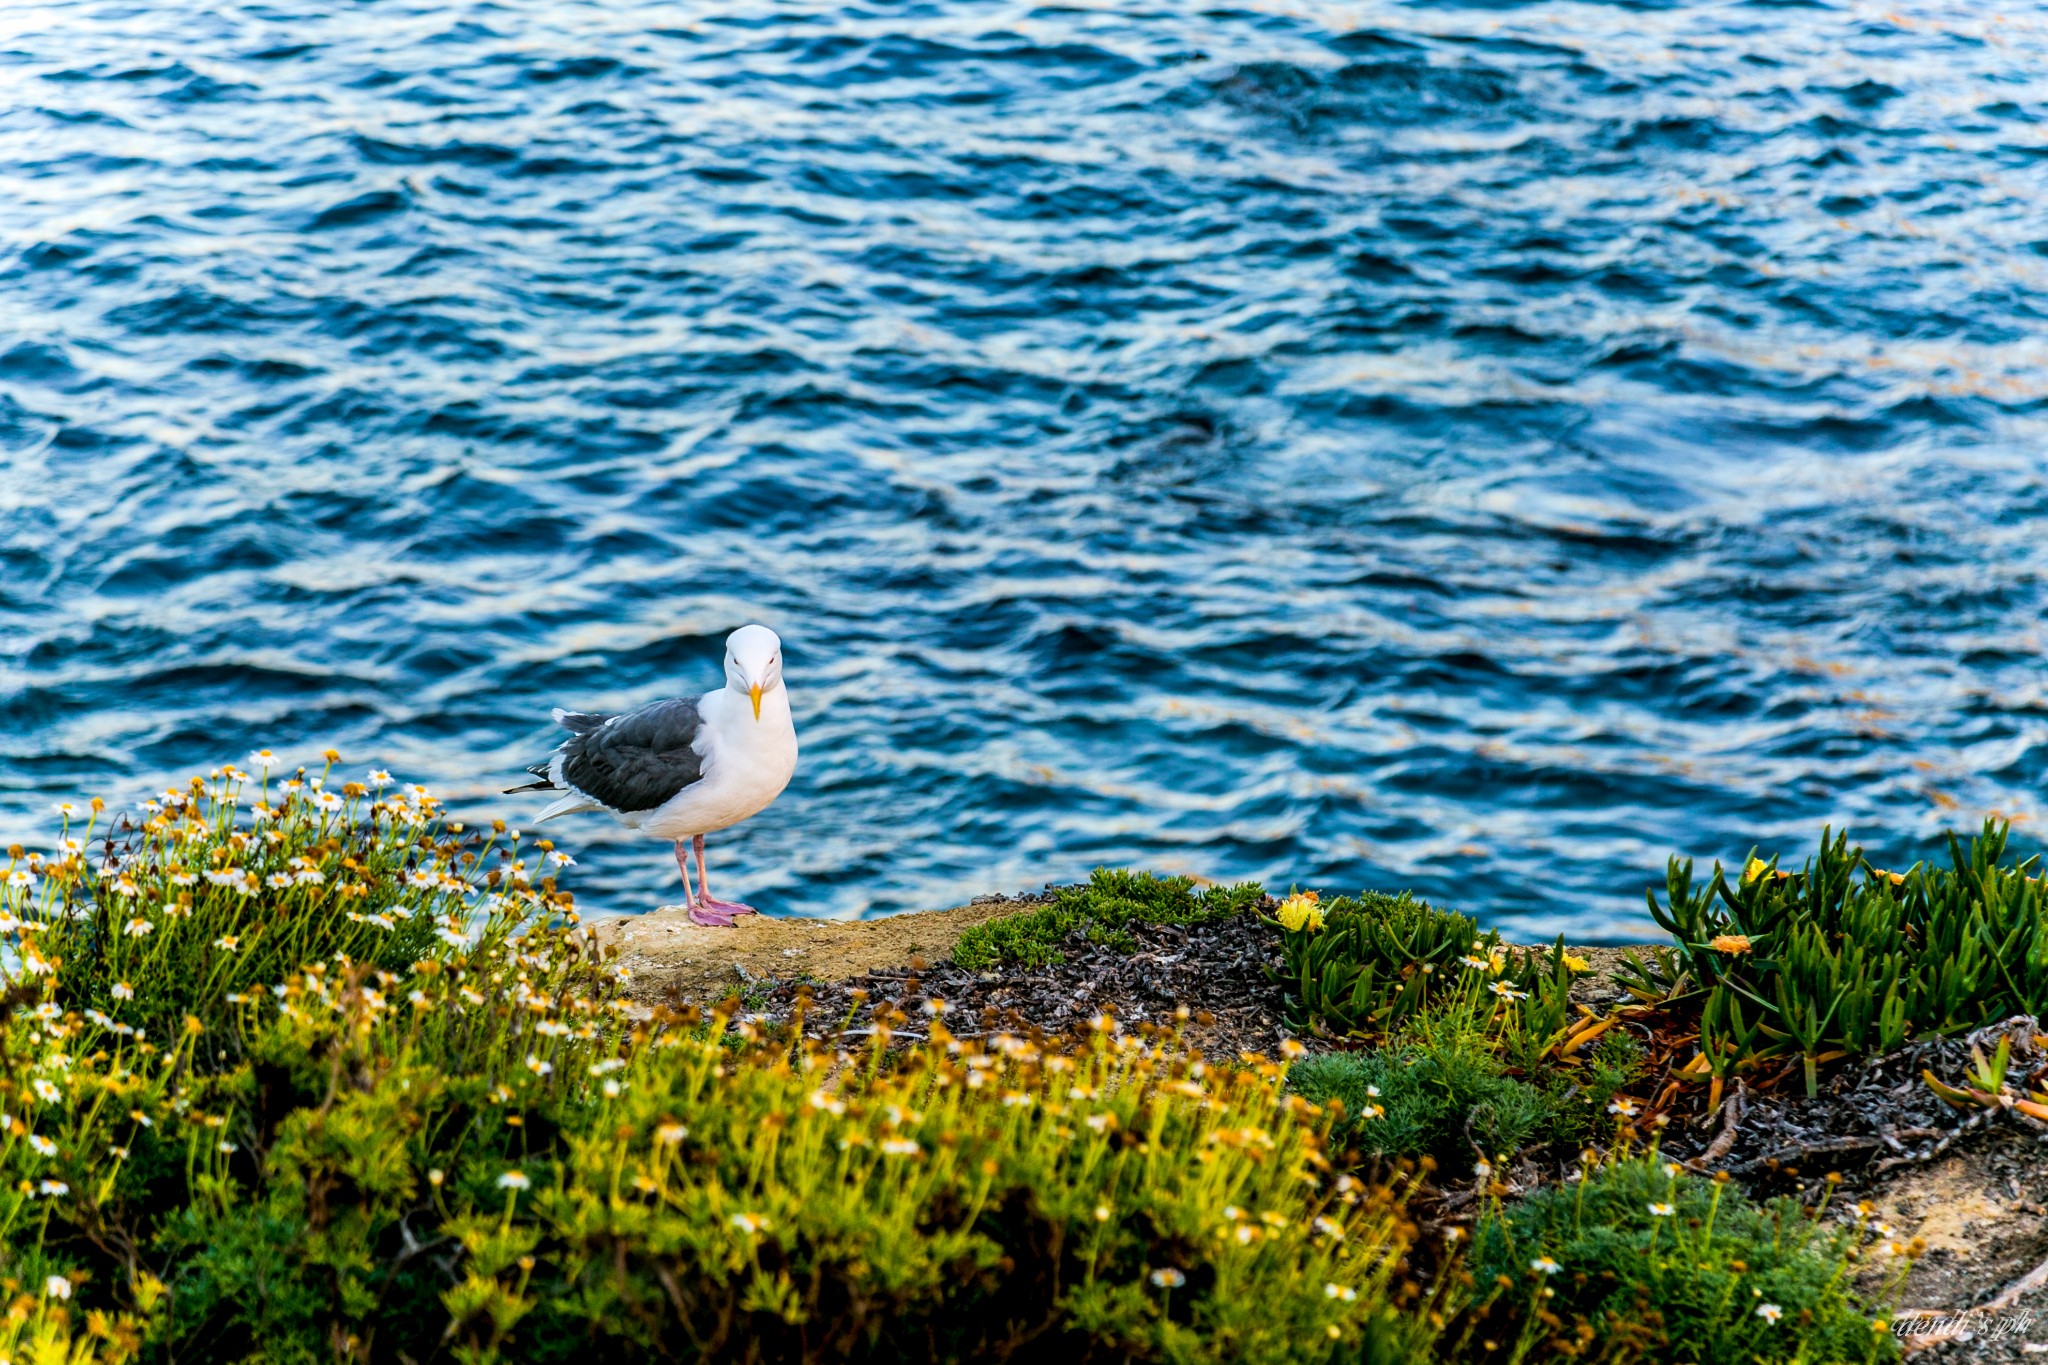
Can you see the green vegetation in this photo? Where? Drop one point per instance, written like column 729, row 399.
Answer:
column 191, row 909
column 1445, row 1093
column 1637, row 1261
column 1104, row 907
column 1367, row 967
column 1843, row 959
column 305, row 1073
column 1450, row 1103
column 1632, row 1260
column 1481, row 1052
column 485, row 1153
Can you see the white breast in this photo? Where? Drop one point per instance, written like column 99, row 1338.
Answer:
column 747, row 763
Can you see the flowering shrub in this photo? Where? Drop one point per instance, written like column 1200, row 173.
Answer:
column 451, row 1136
column 1638, row 1261
column 175, row 911
column 1842, row 958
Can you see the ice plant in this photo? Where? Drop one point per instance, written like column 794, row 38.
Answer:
column 1300, row 912
column 1842, row 959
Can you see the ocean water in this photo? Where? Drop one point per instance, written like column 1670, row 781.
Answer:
column 1479, row 448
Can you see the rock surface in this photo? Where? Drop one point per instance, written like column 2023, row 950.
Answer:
column 674, row 960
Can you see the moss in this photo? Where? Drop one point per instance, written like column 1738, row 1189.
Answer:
column 1444, row 1097
column 1105, row 906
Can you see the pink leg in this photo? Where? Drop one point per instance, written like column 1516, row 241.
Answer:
column 697, row 914
column 704, row 898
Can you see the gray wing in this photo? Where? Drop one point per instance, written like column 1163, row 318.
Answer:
column 635, row 761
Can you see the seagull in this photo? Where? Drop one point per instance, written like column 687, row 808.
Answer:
column 683, row 768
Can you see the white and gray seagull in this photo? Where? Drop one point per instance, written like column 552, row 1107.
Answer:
column 684, row 768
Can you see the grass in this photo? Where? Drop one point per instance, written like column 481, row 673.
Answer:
column 1103, row 908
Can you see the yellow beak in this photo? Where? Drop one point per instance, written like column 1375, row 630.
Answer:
column 757, row 701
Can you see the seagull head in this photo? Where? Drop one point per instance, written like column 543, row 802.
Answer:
column 753, row 663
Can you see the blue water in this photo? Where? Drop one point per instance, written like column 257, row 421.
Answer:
column 1479, row 448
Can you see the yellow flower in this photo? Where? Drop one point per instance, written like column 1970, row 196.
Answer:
column 1301, row 911
column 1574, row 962
column 1730, row 943
column 1754, row 868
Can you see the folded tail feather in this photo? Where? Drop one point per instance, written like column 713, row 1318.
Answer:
column 567, row 804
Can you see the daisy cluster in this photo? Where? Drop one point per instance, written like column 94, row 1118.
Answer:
column 238, row 877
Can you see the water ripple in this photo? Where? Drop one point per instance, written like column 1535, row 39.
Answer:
column 1402, row 444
